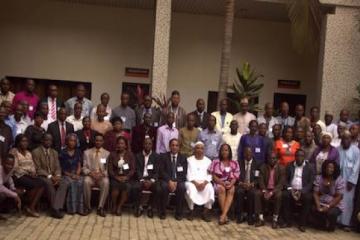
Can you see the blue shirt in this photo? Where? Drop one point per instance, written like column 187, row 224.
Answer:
column 212, row 141
column 257, row 145
column 69, row 163
column 12, row 124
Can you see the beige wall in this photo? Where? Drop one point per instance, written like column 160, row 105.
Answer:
column 44, row 39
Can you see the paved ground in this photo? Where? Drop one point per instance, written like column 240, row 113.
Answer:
column 129, row 227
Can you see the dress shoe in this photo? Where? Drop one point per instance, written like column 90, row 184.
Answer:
column 206, row 215
column 57, row 214
column 101, row 212
column 138, row 212
column 240, row 219
column 2, row 218
column 251, row 221
column 301, row 228
column 259, row 223
column 162, row 216
column 285, row 225
column 150, row 213
column 274, row 225
column 178, row 217
column 190, row 216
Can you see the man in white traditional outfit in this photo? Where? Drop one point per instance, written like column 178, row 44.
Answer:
column 244, row 117
column 199, row 189
column 349, row 167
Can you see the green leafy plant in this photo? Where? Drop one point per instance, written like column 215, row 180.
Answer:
column 246, row 86
column 357, row 99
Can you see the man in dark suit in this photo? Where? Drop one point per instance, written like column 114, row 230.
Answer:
column 172, row 177
column 139, row 133
column 154, row 112
column 53, row 102
column 299, row 183
column 59, row 129
column 245, row 191
column 147, row 169
column 201, row 116
column 86, row 136
column 271, row 183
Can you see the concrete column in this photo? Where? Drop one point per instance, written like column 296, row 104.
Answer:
column 161, row 47
column 339, row 63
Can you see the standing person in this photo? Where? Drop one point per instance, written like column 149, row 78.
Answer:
column 355, row 135
column 126, row 113
column 344, row 118
column 104, row 100
column 59, row 130
column 315, row 116
column 268, row 143
column 96, row 174
column 165, row 133
column 225, row 173
column 349, row 171
column 29, row 96
column 201, row 115
column 76, row 118
column 284, row 118
column 298, row 189
column 154, row 113
column 44, row 110
column 25, row 109
column 179, row 112
column 6, row 136
column 245, row 191
column 328, row 194
column 173, row 169
column 21, row 124
column 99, row 124
column 35, row 132
column 86, row 136
column 330, row 126
column 117, row 131
column 286, row 147
column 211, row 138
column 53, row 102
column 121, row 167
column 255, row 142
column 79, row 98
column 142, row 131
column 233, row 139
column 276, row 132
column 299, row 134
column 244, row 117
column 47, row 165
column 300, row 119
column 147, row 174
column 70, row 161
column 271, row 182
column 223, row 117
column 9, row 121
column 309, row 145
column 5, row 93
column 336, row 141
column 25, row 174
column 268, row 119
column 188, row 136
column 199, row 189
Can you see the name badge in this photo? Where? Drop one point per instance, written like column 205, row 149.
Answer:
column 156, row 124
column 18, row 131
column 213, row 142
column 126, row 166
column 227, row 169
column 2, row 139
column 102, row 160
column 180, row 169
column 350, row 165
column 123, row 119
column 150, row 167
column 257, row 173
column 31, row 108
column 192, row 144
column 257, row 150
column 107, row 118
column 174, row 125
column 285, row 145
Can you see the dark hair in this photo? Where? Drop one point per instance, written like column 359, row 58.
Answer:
column 230, row 152
column 336, row 173
column 86, row 117
column 253, row 121
column 286, row 128
column 314, row 107
column 38, row 114
column 122, row 138
column 116, row 119
column 97, row 134
column 103, row 94
column 173, row 139
column 18, row 139
column 300, row 150
column 175, row 92
column 124, row 93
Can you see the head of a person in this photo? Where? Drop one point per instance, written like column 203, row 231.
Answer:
column 71, row 141
column 224, row 105
column 299, row 157
column 147, row 101
column 125, row 99
column 147, row 119
column 244, row 104
column 211, row 122
column 328, row 118
column 117, row 124
column 225, row 152
column 38, row 119
column 190, row 120
column 8, row 106
column 170, row 118
column 315, row 113
column 199, row 150
column 5, row 85
column 284, row 108
column 174, row 146
column 99, row 140
column 175, row 98
column 86, row 123
column 121, row 144
column 44, row 109
column 148, row 144
column 262, row 129
column 273, row 159
column 299, row 133
column 326, row 138
column 18, row 113
column 3, row 114
column 344, row 115
column 330, row 169
column 234, row 125
column 47, row 140
column 30, row 85
column 105, row 99
column 52, row 91
column 8, row 162
column 101, row 112
column 341, row 128
column 200, row 105
column 309, row 137
column 253, row 126
column 61, row 114
column 80, row 91
column 288, row 133
column 354, row 130
column 25, row 105
column 346, row 139
column 299, row 111
column 248, row 154
column 269, row 109
column 276, row 130
column 21, row 142
column 77, row 109
column 317, row 130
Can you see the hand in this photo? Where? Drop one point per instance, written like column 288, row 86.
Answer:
column 18, row 203
column 325, row 208
column 33, row 175
column 147, row 184
column 19, row 190
column 75, row 177
column 172, row 186
column 55, row 180
column 228, row 185
column 349, row 186
column 268, row 195
column 121, row 178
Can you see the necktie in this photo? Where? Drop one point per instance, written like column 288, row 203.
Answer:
column 247, row 172
column 47, row 157
column 62, row 135
column 173, row 163
column 53, row 109
column 97, row 160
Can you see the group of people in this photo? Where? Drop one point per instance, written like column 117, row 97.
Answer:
column 255, row 167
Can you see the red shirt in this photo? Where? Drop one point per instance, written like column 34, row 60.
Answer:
column 31, row 99
column 286, row 151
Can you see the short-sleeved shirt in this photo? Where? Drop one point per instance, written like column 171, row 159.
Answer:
column 212, row 141
column 127, row 115
column 286, row 151
column 70, row 163
column 86, row 106
column 225, row 173
column 328, row 193
column 187, row 140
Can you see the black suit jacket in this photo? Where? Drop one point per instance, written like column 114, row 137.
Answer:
column 54, row 130
column 307, row 177
column 165, row 168
column 139, row 166
column 253, row 168
column 204, row 122
column 279, row 176
column 83, row 144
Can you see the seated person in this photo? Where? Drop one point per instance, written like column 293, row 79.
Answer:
column 147, row 176
column 328, row 194
column 299, row 183
column 121, row 167
column 245, row 191
column 48, row 168
column 86, row 136
column 35, row 132
column 172, row 177
column 96, row 174
column 271, row 182
column 25, row 174
column 7, row 187
column 199, row 189
column 225, row 173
